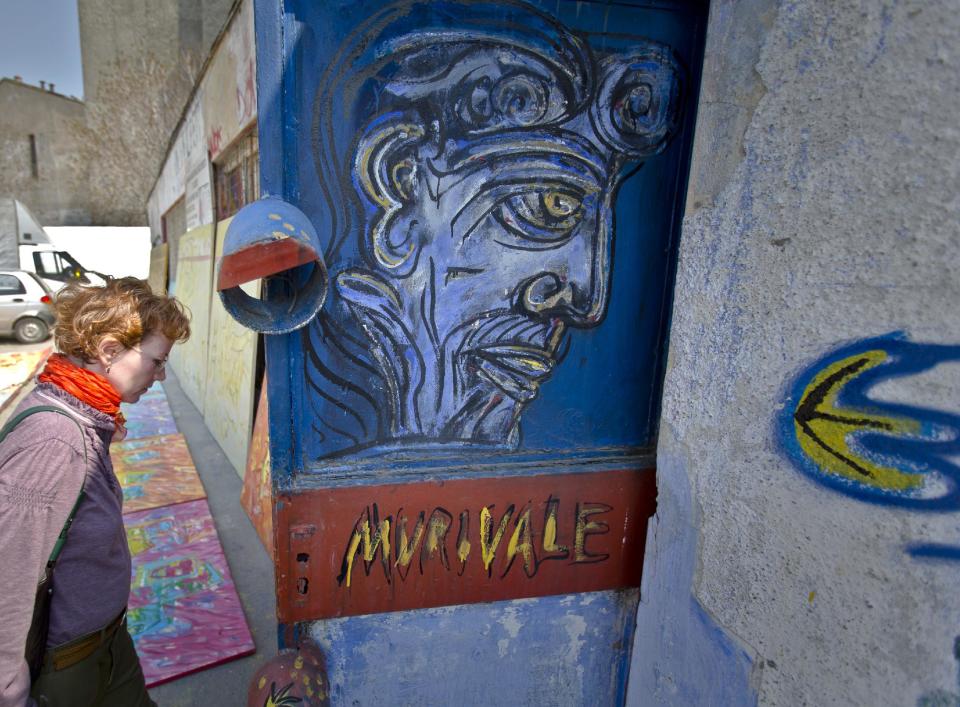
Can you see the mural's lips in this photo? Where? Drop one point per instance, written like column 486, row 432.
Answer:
column 515, row 368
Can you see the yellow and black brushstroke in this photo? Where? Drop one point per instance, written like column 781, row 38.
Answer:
column 824, row 428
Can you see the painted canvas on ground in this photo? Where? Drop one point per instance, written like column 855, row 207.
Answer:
column 184, row 612
column 230, row 376
column 194, row 269
column 256, row 497
column 155, row 471
column 150, row 416
column 16, row 368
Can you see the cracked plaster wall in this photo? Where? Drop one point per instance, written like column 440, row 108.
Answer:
column 822, row 209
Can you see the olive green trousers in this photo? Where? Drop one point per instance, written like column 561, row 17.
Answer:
column 108, row 677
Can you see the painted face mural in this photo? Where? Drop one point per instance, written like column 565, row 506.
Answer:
column 475, row 220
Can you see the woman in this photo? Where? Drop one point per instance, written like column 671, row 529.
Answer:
column 113, row 343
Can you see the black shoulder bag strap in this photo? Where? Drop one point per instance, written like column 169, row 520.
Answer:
column 36, row 644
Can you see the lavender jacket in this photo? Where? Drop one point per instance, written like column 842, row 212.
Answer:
column 41, row 470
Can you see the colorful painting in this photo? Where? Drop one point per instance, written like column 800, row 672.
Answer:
column 835, row 431
column 256, row 497
column 155, row 471
column 16, row 368
column 184, row 612
column 230, row 375
column 150, row 416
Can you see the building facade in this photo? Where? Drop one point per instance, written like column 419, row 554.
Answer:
column 42, row 136
column 804, row 548
column 92, row 162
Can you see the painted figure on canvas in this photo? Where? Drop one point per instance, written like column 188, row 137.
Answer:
column 474, row 212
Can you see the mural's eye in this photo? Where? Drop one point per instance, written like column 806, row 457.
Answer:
column 546, row 216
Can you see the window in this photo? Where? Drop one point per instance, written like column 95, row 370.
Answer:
column 34, row 165
column 174, row 221
column 58, row 265
column 237, row 175
column 11, row 285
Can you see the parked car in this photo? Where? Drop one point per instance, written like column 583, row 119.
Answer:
column 25, row 310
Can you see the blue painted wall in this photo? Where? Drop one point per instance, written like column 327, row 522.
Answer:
column 574, row 258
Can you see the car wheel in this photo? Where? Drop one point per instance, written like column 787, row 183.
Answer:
column 30, row 330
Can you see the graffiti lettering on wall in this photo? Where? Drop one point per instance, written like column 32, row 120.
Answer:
column 473, row 213
column 460, row 541
column 215, row 142
column 840, row 434
column 496, row 547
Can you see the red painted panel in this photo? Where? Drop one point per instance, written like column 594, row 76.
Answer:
column 370, row 549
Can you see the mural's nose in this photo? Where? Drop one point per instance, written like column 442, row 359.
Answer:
column 578, row 302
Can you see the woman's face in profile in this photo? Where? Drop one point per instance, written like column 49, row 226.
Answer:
column 135, row 370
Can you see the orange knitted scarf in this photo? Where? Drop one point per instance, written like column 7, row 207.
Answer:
column 87, row 386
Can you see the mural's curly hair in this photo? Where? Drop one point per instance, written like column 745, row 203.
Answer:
column 125, row 308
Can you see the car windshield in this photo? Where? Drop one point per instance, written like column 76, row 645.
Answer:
column 58, row 265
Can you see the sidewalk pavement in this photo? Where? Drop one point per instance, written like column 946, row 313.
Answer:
column 224, row 685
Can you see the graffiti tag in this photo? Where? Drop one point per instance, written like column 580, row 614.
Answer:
column 835, row 431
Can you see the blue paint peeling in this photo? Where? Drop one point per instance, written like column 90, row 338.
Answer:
column 555, row 650
column 681, row 656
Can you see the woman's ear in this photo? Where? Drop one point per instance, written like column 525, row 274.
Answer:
column 107, row 350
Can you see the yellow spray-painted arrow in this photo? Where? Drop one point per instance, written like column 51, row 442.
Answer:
column 823, row 428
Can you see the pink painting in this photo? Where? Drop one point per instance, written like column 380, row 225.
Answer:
column 184, row 612
column 155, row 471
column 150, row 416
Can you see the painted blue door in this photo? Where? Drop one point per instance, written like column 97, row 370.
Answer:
column 496, row 187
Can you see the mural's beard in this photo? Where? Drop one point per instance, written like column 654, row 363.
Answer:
column 470, row 384
column 496, row 370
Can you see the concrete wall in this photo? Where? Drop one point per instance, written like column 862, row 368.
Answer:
column 98, row 159
column 806, row 545
column 59, row 192
column 219, row 369
column 222, row 107
column 139, row 67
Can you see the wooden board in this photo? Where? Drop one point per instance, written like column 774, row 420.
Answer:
column 368, row 549
column 230, row 375
column 184, row 612
column 155, row 471
column 257, row 497
column 194, row 288
column 158, row 268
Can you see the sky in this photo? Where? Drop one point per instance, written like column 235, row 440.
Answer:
column 40, row 41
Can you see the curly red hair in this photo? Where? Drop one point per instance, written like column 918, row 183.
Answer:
column 125, row 309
